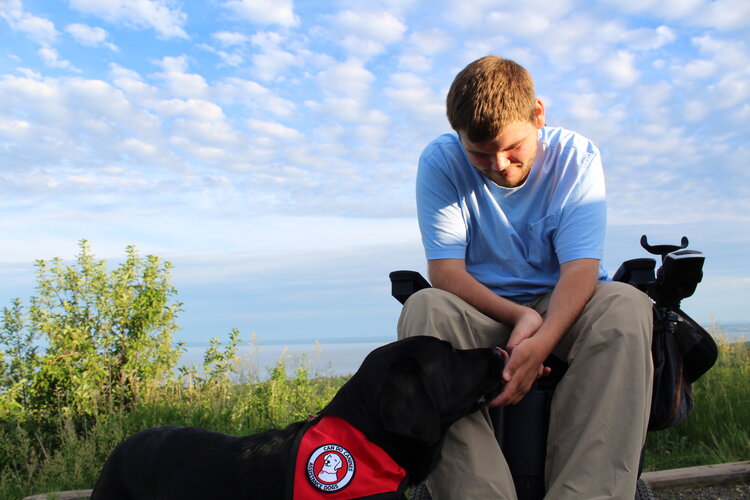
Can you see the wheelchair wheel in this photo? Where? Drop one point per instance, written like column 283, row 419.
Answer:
column 420, row 492
column 643, row 491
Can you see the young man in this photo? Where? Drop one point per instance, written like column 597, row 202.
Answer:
column 512, row 215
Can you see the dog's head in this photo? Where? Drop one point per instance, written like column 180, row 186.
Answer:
column 418, row 387
column 429, row 385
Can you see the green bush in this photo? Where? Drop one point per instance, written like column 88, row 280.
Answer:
column 92, row 360
column 106, row 337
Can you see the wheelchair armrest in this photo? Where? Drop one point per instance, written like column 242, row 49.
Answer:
column 637, row 272
column 405, row 283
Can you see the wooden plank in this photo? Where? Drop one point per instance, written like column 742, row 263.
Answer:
column 62, row 495
column 735, row 472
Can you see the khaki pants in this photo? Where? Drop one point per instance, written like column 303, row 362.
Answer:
column 599, row 410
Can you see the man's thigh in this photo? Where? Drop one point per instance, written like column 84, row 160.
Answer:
column 615, row 306
column 441, row 314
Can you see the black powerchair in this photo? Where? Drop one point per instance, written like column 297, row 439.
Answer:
column 521, row 429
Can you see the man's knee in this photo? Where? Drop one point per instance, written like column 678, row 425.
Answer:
column 423, row 310
column 621, row 300
column 623, row 311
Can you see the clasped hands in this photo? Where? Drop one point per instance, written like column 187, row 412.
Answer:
column 526, row 362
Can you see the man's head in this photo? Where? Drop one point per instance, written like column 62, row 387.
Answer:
column 489, row 94
column 493, row 107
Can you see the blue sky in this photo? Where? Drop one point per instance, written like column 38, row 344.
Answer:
column 269, row 148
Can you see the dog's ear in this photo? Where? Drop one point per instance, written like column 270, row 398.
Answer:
column 406, row 406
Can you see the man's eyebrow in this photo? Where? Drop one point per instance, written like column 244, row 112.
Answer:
column 476, row 152
column 513, row 146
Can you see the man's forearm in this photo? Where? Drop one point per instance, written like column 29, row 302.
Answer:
column 574, row 289
column 451, row 275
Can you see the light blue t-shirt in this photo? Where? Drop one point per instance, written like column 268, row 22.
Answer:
column 513, row 240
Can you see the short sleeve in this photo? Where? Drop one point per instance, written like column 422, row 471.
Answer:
column 583, row 219
column 441, row 221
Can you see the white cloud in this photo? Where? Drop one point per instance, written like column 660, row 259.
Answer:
column 409, row 92
column 528, row 23
column 734, row 90
column 653, row 102
column 620, row 68
column 264, row 12
column 723, row 15
column 726, row 15
column 414, row 62
column 275, row 130
column 52, row 59
column 252, row 95
column 349, row 78
column 179, row 82
column 649, row 39
column 91, row 36
column 700, row 69
column 230, row 38
column 272, row 60
column 733, row 62
column 430, row 41
column 695, row 110
column 728, row 53
column 133, row 85
column 365, row 34
column 158, row 15
column 422, row 47
column 38, row 29
column 382, row 27
column 195, row 109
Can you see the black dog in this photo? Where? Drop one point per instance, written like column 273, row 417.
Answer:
column 390, row 418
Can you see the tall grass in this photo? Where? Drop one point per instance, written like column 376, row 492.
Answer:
column 718, row 429
column 69, row 456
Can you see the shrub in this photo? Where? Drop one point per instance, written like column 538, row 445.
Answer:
column 106, row 337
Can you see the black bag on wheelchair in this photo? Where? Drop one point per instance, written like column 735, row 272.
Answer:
column 681, row 354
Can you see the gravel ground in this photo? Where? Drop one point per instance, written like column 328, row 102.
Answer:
column 739, row 491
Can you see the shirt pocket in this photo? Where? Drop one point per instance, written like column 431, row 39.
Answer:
column 541, row 241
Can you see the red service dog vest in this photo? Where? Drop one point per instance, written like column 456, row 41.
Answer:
column 335, row 461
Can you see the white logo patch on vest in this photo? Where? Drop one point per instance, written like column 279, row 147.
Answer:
column 330, row 468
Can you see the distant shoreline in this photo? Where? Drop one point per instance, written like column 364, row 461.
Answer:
column 732, row 331
column 342, row 356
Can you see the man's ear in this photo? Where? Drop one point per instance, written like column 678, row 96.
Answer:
column 406, row 407
column 540, row 118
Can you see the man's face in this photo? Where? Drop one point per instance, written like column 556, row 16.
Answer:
column 507, row 159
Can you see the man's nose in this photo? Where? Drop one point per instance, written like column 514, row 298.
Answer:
column 500, row 161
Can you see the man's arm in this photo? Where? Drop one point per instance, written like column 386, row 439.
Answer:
column 451, row 275
column 578, row 279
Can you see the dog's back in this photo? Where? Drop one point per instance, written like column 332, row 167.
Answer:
column 187, row 462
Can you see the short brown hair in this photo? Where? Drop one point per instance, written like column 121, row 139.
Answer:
column 487, row 95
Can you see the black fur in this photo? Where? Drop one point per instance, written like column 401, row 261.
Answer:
column 403, row 398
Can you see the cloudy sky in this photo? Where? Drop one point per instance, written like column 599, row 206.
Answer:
column 268, row 148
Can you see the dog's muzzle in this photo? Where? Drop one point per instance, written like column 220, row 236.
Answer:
column 487, row 398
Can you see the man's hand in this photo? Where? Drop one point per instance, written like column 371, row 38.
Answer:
column 525, row 325
column 574, row 289
column 532, row 338
column 519, row 373
column 522, row 369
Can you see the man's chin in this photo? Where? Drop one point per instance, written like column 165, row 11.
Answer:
column 504, row 182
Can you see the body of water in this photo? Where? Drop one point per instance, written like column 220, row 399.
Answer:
column 324, row 358
column 343, row 357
